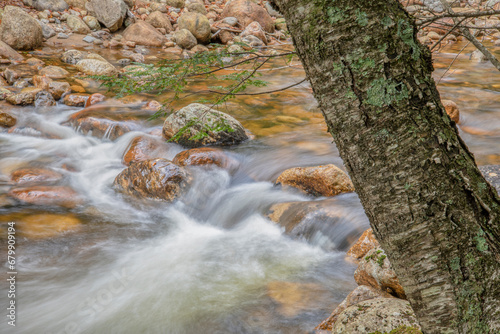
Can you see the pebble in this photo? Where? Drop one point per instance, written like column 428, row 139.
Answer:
column 89, row 39
column 62, row 36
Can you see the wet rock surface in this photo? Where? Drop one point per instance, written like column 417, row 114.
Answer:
column 157, row 179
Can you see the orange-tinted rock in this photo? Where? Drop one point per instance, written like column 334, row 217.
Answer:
column 365, row 243
column 361, row 293
column 94, row 98
column 293, row 298
column 47, row 225
column 144, row 33
column 375, row 270
column 76, row 100
column 246, row 12
column 140, row 149
column 152, row 105
column 452, row 110
column 25, row 97
column 58, row 89
column 47, row 195
column 102, row 127
column 34, row 175
column 327, row 180
column 156, row 179
column 6, row 119
column 54, row 72
column 205, row 156
column 254, row 29
column 42, row 81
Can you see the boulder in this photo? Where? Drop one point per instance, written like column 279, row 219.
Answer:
column 54, row 72
column 185, row 39
column 206, row 156
column 203, row 117
column 32, row 175
column 360, row 294
column 103, row 127
column 176, row 3
column 19, row 30
column 157, row 179
column 25, row 97
column 52, row 5
column 7, row 52
column 143, row 33
column 143, row 148
column 197, row 24
column 325, row 223
column 375, row 270
column 111, row 13
column 379, row 315
column 7, row 120
column 327, row 180
column 76, row 100
column 452, row 110
column 47, row 195
column 95, row 67
column 254, row 29
column 92, row 22
column 77, row 25
column 246, row 12
column 365, row 243
column 159, row 20
column 44, row 99
column 197, row 7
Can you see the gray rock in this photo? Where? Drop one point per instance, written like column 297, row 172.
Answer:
column 376, row 315
column 197, row 24
column 72, row 56
column 95, row 67
column 492, row 174
column 52, row 5
column 62, row 35
column 232, row 21
column 44, row 99
column 111, row 13
column 176, row 3
column 8, row 52
column 77, row 25
column 203, row 116
column 185, row 39
column 47, row 31
column 92, row 22
column 19, row 30
column 89, row 39
column 124, row 62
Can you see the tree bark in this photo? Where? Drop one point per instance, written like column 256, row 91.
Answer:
column 429, row 206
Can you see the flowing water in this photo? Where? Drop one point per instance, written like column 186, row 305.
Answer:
column 211, row 262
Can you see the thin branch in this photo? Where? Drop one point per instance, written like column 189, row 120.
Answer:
column 447, row 33
column 453, row 14
column 261, row 93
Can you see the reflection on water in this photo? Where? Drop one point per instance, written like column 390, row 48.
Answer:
column 211, row 262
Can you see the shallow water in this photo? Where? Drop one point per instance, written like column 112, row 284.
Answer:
column 211, row 262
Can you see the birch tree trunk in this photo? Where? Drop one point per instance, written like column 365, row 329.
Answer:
column 429, row 206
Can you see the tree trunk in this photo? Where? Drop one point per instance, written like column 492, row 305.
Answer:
column 429, row 206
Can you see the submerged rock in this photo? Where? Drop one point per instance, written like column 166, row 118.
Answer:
column 19, row 30
column 47, row 196
column 206, row 156
column 54, row 72
column 102, row 127
column 327, row 180
column 7, row 120
column 200, row 117
column 31, row 175
column 157, row 179
column 95, row 67
column 376, row 315
column 76, row 100
column 47, row 225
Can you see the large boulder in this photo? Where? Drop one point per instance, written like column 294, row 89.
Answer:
column 144, row 33
column 157, row 179
column 159, row 20
column 196, row 120
column 197, row 24
column 246, row 12
column 379, row 315
column 358, row 295
column 8, row 52
column 77, row 25
column 111, row 13
column 52, row 5
column 326, row 180
column 95, row 67
column 19, row 30
column 376, row 271
column 185, row 39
